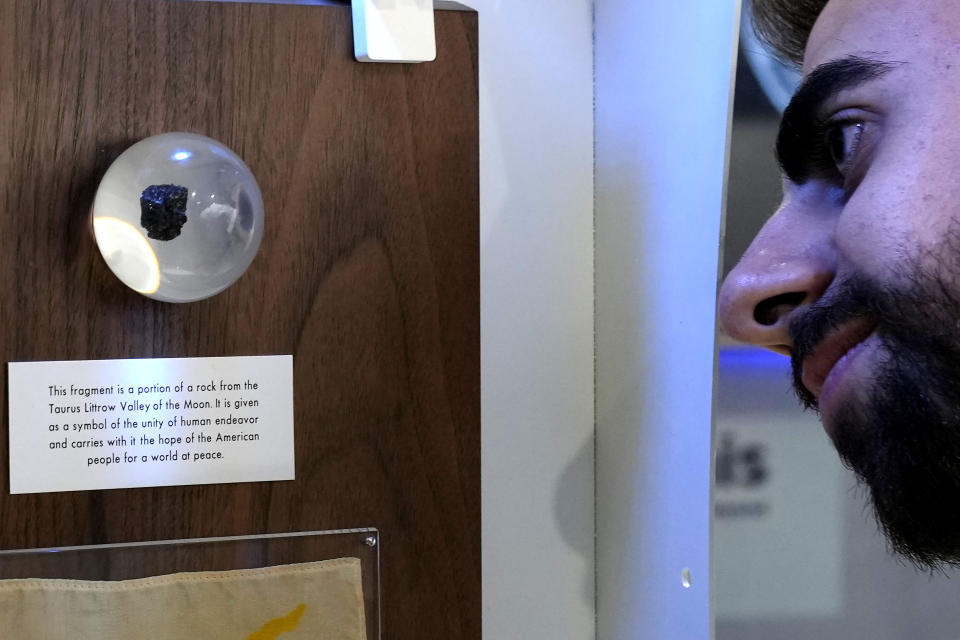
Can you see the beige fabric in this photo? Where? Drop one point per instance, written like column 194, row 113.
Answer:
column 317, row 600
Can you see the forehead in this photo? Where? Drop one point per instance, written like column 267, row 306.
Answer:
column 913, row 31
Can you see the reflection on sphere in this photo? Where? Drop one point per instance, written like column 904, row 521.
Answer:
column 178, row 217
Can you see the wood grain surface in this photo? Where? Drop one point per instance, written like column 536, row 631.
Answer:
column 368, row 272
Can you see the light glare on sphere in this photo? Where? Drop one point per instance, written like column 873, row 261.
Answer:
column 178, row 217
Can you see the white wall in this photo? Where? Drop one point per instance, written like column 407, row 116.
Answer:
column 536, row 214
column 663, row 78
column 536, row 246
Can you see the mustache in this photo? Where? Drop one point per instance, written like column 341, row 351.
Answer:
column 846, row 300
column 922, row 317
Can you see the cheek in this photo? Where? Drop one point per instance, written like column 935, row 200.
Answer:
column 873, row 233
column 906, row 212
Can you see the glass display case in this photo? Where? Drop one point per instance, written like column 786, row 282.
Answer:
column 185, row 579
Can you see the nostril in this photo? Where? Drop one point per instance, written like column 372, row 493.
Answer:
column 769, row 311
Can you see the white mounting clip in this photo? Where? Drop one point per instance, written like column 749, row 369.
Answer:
column 393, row 31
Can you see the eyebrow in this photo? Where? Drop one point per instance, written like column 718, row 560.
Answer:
column 801, row 137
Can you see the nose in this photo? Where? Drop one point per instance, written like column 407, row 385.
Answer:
column 789, row 264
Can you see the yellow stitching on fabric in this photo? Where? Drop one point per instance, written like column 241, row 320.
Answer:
column 275, row 627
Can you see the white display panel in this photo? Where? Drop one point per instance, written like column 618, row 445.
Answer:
column 663, row 93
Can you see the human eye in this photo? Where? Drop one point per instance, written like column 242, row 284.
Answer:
column 848, row 142
column 836, row 148
column 843, row 140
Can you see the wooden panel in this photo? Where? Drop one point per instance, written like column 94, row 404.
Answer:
column 368, row 272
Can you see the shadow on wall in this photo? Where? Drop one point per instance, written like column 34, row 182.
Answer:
column 573, row 496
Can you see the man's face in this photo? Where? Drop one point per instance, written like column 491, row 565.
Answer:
column 857, row 274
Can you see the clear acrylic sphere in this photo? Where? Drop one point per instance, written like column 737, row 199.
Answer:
column 178, row 217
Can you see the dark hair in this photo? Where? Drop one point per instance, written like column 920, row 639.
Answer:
column 785, row 25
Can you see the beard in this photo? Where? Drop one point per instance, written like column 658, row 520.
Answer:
column 900, row 433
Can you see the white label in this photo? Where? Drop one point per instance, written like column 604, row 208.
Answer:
column 778, row 538
column 779, row 499
column 394, row 31
column 111, row 424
